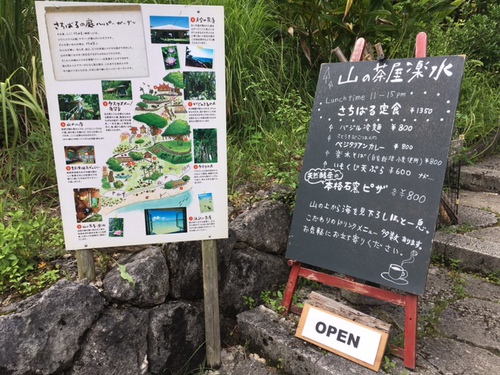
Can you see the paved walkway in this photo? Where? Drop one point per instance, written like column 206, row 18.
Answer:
column 459, row 313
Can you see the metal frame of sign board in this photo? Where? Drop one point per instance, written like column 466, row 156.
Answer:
column 409, row 301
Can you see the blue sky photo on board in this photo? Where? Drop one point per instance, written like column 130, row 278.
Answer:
column 199, row 57
column 165, row 220
column 168, row 29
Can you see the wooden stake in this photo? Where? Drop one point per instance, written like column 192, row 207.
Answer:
column 85, row 264
column 211, row 301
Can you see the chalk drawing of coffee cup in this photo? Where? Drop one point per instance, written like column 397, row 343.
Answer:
column 396, row 274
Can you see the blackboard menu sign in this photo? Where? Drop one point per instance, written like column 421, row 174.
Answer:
column 374, row 166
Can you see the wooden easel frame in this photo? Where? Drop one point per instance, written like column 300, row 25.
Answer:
column 409, row 301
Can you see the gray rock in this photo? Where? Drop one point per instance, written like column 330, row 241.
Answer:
column 264, row 228
column 248, row 273
column 473, row 321
column 236, row 361
column 116, row 345
column 476, row 217
column 43, row 334
column 175, row 337
column 484, row 200
column 474, row 254
column 455, row 357
column 224, row 249
column 483, row 176
column 150, row 273
column 186, row 273
column 274, row 336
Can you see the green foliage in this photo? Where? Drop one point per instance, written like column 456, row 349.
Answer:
column 136, row 155
column 149, row 97
column 249, row 302
column 412, row 17
column 26, row 134
column 114, row 164
column 151, row 119
column 493, row 278
column 477, row 36
column 272, row 153
column 273, row 300
column 155, row 175
column 175, row 159
column 175, row 78
column 478, row 113
column 199, row 86
column 18, row 38
column 106, row 184
column 177, row 129
column 23, row 240
column 389, row 365
column 125, row 275
column 320, row 26
column 205, row 145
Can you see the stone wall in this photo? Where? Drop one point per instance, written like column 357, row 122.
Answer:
column 154, row 325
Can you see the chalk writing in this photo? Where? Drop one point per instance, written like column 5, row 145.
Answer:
column 373, row 170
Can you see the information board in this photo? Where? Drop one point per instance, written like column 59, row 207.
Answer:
column 374, row 166
column 136, row 101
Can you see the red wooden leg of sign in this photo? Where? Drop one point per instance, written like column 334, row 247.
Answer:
column 421, row 45
column 410, row 349
column 291, row 284
column 359, row 48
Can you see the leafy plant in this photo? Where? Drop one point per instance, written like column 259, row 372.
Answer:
column 23, row 240
column 321, row 26
column 125, row 275
column 249, row 302
column 273, row 300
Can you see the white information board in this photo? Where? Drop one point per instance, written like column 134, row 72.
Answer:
column 136, row 99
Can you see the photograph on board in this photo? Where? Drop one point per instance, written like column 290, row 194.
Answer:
column 170, row 57
column 169, row 29
column 165, row 221
column 79, row 154
column 115, row 227
column 205, row 145
column 199, row 86
column 79, row 107
column 87, row 205
column 116, row 90
column 199, row 57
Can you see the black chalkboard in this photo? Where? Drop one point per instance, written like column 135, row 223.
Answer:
column 374, row 166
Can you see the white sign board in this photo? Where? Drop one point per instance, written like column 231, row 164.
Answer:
column 351, row 340
column 136, row 100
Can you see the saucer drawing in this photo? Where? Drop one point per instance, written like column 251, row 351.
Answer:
column 386, row 276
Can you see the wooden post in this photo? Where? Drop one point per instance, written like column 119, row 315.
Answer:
column 85, row 264
column 211, row 302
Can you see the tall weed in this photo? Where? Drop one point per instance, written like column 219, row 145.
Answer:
column 18, row 38
column 478, row 113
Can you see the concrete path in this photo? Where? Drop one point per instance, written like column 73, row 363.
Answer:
column 459, row 313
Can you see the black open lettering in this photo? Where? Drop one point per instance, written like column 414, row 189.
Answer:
column 331, row 331
column 339, row 334
column 353, row 340
column 320, row 327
